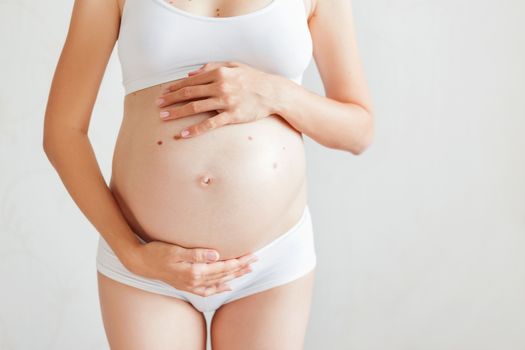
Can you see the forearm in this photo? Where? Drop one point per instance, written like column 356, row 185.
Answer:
column 73, row 158
column 334, row 124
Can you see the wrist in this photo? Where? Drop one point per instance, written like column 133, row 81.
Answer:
column 130, row 255
column 282, row 93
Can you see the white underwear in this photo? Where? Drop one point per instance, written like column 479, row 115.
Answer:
column 286, row 258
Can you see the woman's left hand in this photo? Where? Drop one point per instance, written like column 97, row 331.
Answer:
column 237, row 91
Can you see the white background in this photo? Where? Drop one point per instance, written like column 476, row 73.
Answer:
column 420, row 239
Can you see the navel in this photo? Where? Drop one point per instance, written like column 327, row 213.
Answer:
column 205, row 180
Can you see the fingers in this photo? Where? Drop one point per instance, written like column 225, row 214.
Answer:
column 230, row 276
column 202, row 78
column 214, row 275
column 185, row 93
column 223, row 266
column 191, row 108
column 219, row 285
column 196, row 255
column 207, row 291
column 208, row 124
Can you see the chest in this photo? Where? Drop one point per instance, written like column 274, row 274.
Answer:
column 271, row 35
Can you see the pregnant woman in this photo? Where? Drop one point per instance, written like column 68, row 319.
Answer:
column 206, row 209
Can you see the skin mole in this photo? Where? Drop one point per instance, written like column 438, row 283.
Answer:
column 274, row 165
column 159, row 142
column 250, row 138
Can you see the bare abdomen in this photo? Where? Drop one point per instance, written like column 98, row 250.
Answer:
column 233, row 189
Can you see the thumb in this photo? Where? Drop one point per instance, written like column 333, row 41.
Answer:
column 202, row 255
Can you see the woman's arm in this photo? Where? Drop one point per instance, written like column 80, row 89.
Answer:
column 92, row 34
column 344, row 118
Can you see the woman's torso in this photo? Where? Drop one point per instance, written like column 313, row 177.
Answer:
column 234, row 188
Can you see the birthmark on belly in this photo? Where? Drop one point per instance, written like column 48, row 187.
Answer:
column 159, row 142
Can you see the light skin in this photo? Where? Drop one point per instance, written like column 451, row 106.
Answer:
column 342, row 119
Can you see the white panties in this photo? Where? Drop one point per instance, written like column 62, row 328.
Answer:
column 286, row 258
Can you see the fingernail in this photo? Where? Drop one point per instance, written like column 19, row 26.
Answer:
column 164, row 114
column 184, row 133
column 159, row 101
column 211, row 256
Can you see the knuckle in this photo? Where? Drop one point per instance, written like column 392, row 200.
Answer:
column 185, row 92
column 195, row 270
column 221, row 71
column 229, row 100
column 210, row 123
column 194, row 283
column 223, row 119
column 233, row 264
column 235, row 118
column 195, row 255
column 193, row 107
column 222, row 87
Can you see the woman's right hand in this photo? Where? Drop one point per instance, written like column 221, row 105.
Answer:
column 186, row 269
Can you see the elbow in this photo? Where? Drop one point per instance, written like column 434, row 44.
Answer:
column 45, row 145
column 51, row 143
column 47, row 148
column 47, row 142
column 364, row 142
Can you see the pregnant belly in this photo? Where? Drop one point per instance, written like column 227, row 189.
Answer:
column 233, row 189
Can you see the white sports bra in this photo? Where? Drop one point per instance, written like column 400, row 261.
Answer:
column 159, row 42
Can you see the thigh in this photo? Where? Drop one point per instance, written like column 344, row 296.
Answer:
column 135, row 319
column 274, row 319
